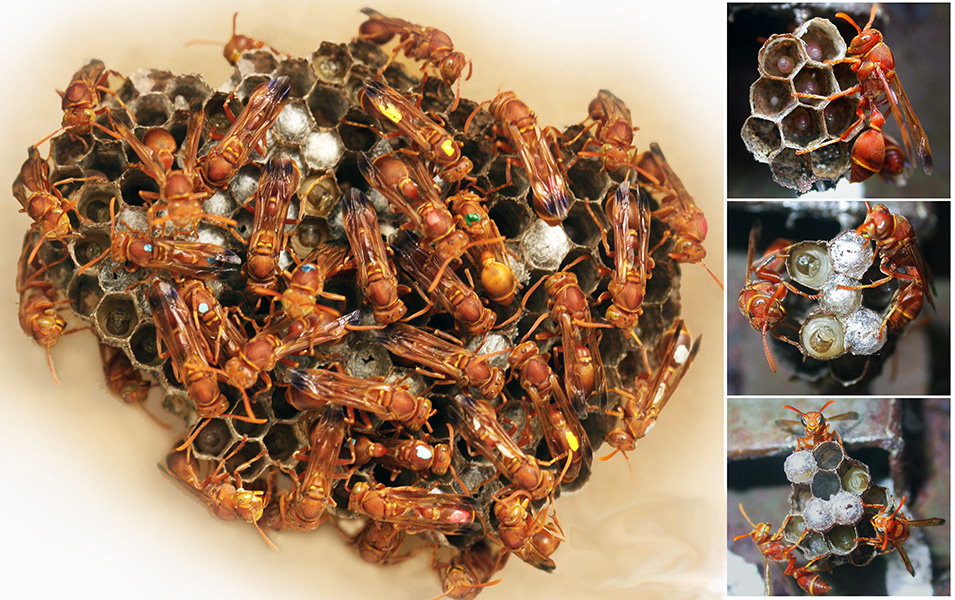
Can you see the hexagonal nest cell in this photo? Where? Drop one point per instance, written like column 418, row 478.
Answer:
column 233, row 250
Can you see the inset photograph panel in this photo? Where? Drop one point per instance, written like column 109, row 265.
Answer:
column 847, row 496
column 838, row 297
column 844, row 98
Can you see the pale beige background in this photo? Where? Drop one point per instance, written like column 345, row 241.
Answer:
column 84, row 507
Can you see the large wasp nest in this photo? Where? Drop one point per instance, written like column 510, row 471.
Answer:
column 263, row 364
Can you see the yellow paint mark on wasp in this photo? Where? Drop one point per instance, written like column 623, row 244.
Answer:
column 447, row 146
column 391, row 112
column 572, row 441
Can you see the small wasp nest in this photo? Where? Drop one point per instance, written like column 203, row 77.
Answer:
column 263, row 332
column 792, row 116
column 852, row 294
column 827, row 516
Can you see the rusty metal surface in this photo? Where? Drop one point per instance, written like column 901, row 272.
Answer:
column 752, row 430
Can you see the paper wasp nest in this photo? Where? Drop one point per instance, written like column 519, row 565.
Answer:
column 836, row 321
column 321, row 128
column 829, row 489
column 783, row 125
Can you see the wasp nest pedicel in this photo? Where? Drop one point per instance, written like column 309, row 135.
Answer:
column 336, row 272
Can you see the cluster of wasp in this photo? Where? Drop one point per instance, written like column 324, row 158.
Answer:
column 838, row 515
column 815, row 95
column 833, row 271
column 328, row 271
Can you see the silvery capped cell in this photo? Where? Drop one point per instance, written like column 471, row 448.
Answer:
column 245, row 183
column 292, row 123
column 851, row 254
column 212, row 235
column 322, row 149
column 800, row 466
column 847, row 508
column 836, row 299
column 818, row 515
column 218, row 204
column 865, row 334
column 490, row 344
column 521, row 272
column 544, row 246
